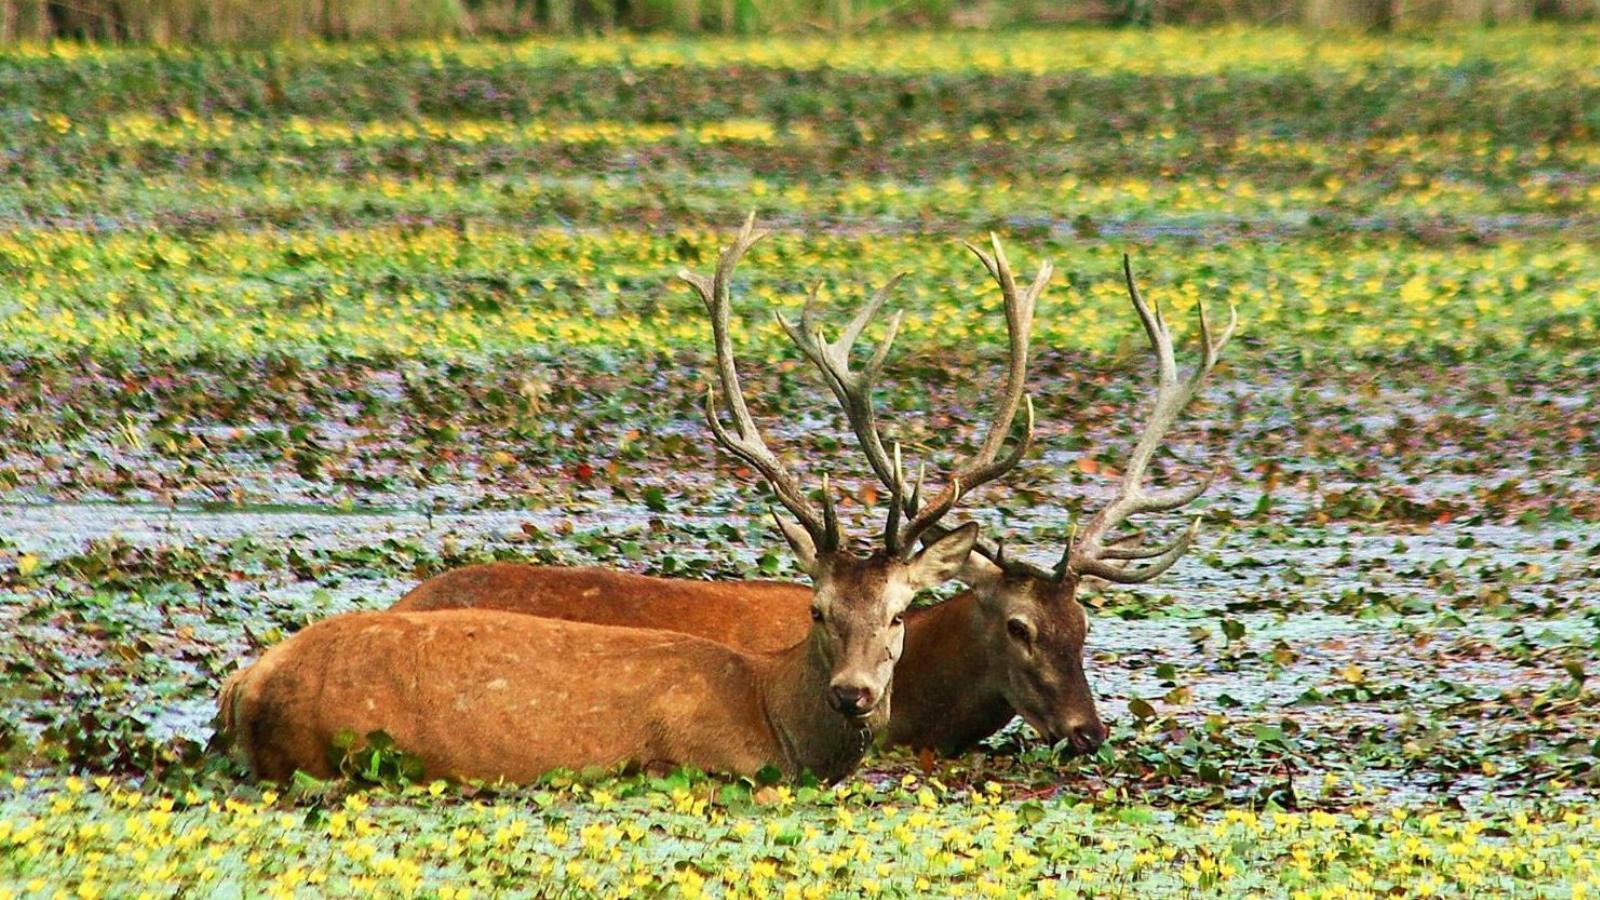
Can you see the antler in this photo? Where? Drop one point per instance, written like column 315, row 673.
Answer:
column 748, row 444
column 1088, row 552
column 854, row 393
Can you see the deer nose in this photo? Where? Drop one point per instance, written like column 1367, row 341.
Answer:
column 852, row 699
column 1086, row 737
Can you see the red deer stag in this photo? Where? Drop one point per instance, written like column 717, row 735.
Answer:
column 1013, row 644
column 490, row 695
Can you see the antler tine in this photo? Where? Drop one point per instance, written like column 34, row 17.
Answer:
column 987, row 464
column 715, row 293
column 832, row 536
column 914, row 501
column 1132, row 550
column 748, row 444
column 1159, row 558
column 891, row 526
column 1177, row 497
column 853, row 390
column 1091, row 554
column 1154, row 325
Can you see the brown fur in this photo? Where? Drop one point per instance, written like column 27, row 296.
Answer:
column 960, row 680
column 762, row 616
column 480, row 694
column 487, row 694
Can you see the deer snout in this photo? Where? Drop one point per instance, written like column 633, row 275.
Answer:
column 1083, row 736
column 854, row 700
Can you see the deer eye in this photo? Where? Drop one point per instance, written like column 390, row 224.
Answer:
column 897, row 621
column 816, row 614
column 1019, row 629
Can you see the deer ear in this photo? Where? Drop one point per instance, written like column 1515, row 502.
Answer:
column 943, row 559
column 979, row 572
column 805, row 549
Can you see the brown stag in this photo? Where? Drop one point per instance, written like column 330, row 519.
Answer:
column 1013, row 644
column 754, row 615
column 489, row 695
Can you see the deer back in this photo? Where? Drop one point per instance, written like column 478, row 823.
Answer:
column 759, row 616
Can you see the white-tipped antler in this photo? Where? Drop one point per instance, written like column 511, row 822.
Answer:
column 1123, row 560
column 747, row 443
column 853, row 390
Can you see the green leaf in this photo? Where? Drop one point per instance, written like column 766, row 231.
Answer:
column 1135, row 815
column 1267, row 733
column 655, row 499
column 1031, row 812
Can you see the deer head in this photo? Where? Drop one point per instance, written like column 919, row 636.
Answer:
column 1032, row 623
column 1045, row 624
column 857, row 631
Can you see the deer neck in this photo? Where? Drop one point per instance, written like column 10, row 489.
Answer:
column 948, row 695
column 812, row 735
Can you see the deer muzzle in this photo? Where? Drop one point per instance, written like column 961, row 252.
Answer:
column 852, row 699
column 1082, row 735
